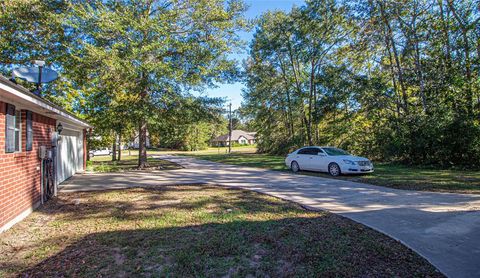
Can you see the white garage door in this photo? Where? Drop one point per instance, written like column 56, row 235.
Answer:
column 69, row 154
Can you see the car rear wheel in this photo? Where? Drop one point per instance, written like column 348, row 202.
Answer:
column 334, row 169
column 295, row 167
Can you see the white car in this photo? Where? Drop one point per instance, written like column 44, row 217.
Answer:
column 105, row 151
column 327, row 159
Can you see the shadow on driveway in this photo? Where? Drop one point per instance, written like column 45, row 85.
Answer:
column 442, row 227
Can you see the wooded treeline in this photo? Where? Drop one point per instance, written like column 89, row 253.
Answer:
column 130, row 66
column 393, row 80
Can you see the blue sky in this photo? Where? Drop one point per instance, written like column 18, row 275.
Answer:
column 232, row 92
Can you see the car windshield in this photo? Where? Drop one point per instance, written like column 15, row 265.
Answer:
column 335, row 151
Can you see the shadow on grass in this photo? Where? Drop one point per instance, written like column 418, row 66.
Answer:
column 130, row 164
column 160, row 199
column 318, row 246
column 197, row 231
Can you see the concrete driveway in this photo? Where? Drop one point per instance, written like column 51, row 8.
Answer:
column 442, row 227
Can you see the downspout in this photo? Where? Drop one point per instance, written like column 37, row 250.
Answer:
column 41, row 181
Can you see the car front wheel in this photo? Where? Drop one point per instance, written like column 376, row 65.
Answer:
column 295, row 167
column 334, row 169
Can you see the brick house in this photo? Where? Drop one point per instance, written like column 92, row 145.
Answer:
column 28, row 131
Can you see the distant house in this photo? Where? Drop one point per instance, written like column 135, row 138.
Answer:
column 238, row 136
column 135, row 143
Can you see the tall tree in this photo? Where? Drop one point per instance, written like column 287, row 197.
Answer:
column 31, row 30
column 155, row 50
column 395, row 80
column 291, row 51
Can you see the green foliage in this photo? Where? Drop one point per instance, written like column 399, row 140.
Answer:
column 395, row 81
column 129, row 65
column 191, row 126
column 35, row 30
column 31, row 29
column 152, row 54
column 190, row 137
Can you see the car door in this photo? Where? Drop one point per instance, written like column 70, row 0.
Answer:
column 316, row 159
column 309, row 159
column 321, row 161
column 302, row 158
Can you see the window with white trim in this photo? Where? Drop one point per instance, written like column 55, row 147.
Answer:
column 13, row 129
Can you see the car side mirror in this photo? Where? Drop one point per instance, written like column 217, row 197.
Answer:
column 321, row 154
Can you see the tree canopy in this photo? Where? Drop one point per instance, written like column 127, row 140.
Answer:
column 129, row 64
column 394, row 80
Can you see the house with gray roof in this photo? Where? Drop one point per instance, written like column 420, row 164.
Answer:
column 238, row 136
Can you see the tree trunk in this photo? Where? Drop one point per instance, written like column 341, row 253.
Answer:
column 142, row 145
column 396, row 58
column 445, row 30
column 292, row 61
column 419, row 68
column 400, row 74
column 315, row 114
column 478, row 47
column 394, row 79
column 119, row 146
column 478, row 62
column 289, row 101
column 88, row 135
column 290, row 116
column 310, row 103
column 305, row 129
column 468, row 74
column 114, row 147
column 464, row 27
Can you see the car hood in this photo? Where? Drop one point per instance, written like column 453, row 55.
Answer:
column 350, row 157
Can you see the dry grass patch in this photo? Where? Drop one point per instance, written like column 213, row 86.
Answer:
column 196, row 231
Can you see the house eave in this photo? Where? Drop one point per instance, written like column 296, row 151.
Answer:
column 22, row 95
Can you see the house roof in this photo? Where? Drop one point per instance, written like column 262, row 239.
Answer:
column 10, row 91
column 236, row 134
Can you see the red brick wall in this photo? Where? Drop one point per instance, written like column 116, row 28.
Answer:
column 20, row 172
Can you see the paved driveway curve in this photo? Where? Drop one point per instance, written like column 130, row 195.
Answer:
column 442, row 227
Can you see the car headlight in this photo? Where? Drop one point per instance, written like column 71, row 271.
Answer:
column 346, row 161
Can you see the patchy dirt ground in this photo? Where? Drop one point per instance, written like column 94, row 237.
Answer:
column 197, row 230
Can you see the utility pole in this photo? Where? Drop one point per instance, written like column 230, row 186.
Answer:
column 230, row 130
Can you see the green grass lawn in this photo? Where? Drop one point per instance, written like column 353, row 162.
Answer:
column 196, row 231
column 129, row 159
column 127, row 163
column 396, row 176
